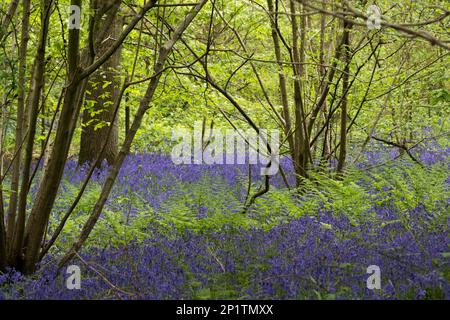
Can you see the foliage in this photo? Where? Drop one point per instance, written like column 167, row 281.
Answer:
column 184, row 237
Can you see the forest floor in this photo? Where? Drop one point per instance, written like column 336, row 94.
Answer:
column 177, row 232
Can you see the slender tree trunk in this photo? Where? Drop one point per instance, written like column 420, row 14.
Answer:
column 8, row 18
column 49, row 185
column 273, row 14
column 322, row 72
column 2, row 213
column 345, row 87
column 15, row 179
column 37, row 82
column 2, row 239
column 300, row 120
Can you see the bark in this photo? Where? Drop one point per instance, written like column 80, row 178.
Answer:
column 50, row 182
column 281, row 77
column 101, row 92
column 322, row 72
column 37, row 82
column 8, row 18
column 15, row 178
column 301, row 145
column 345, row 87
column 2, row 239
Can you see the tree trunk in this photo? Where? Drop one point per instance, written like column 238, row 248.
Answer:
column 15, row 179
column 8, row 18
column 345, row 88
column 273, row 14
column 300, row 138
column 2, row 240
column 101, row 92
column 37, row 82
